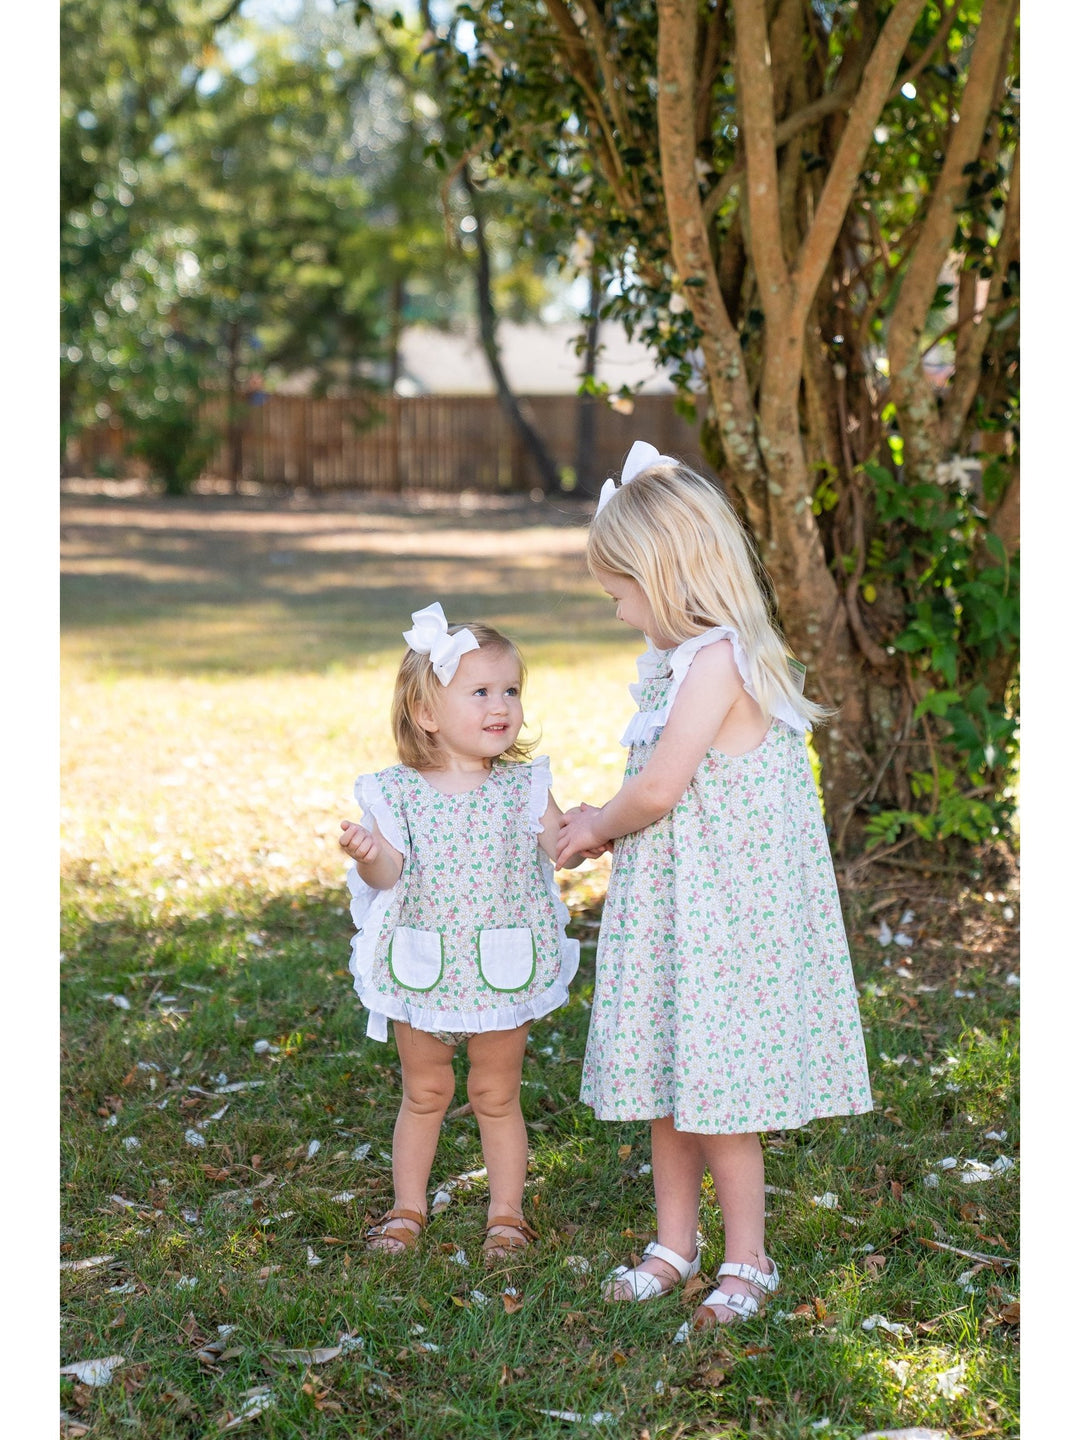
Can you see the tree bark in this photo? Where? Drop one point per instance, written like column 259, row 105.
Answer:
column 910, row 390
column 530, row 438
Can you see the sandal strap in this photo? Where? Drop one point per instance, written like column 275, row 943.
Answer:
column 511, row 1222
column 404, row 1213
column 744, row 1306
column 684, row 1268
column 641, row 1284
column 752, row 1275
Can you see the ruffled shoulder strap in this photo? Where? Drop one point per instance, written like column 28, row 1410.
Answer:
column 539, row 790
column 645, row 724
column 376, row 794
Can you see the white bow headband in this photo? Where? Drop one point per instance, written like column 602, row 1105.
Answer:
column 641, row 456
column 429, row 637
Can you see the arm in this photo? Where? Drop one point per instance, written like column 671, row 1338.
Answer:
column 711, row 687
column 378, row 863
column 548, row 839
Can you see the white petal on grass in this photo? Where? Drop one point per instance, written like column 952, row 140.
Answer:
column 578, row 1264
column 947, row 1383
column 904, row 941
column 225, row 1331
column 264, row 1047
column 348, row 1343
column 949, row 1163
column 907, row 917
column 131, row 1142
column 187, row 1282
column 884, row 935
column 931, row 1181
column 194, row 1138
column 313, row 1148
column 93, row 1372
column 459, row 1258
column 479, row 1298
column 362, row 1151
column 682, row 1334
column 828, row 1201
column 124, row 1204
column 342, row 1197
column 255, row 1404
column 441, row 1201
column 574, row 1417
column 882, row 1322
column 87, row 1264
column 128, row 1288
column 111, row 1122
column 430, row 1346
column 239, row 1085
column 1013, row 980
column 312, row 1258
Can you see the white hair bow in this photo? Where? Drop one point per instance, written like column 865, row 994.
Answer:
column 429, row 637
column 641, row 456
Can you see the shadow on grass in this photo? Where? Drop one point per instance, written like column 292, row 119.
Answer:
column 215, row 585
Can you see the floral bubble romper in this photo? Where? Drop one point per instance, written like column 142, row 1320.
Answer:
column 472, row 936
column 724, row 994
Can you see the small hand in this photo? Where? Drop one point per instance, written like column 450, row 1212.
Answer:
column 579, row 835
column 359, row 843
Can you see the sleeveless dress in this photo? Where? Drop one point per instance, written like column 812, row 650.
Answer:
column 724, row 995
column 471, row 938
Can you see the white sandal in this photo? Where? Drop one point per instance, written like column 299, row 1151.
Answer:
column 743, row 1307
column 642, row 1284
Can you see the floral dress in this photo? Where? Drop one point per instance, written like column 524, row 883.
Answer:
column 472, row 937
column 724, row 995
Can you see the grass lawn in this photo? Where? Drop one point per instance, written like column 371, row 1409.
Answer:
column 227, row 667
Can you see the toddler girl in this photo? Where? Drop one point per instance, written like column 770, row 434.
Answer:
column 724, row 1001
column 461, row 926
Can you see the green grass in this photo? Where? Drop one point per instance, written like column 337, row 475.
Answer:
column 208, row 753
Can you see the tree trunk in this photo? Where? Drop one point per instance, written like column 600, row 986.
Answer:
column 530, row 438
column 586, row 479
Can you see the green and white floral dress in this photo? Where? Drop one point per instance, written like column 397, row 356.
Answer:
column 724, row 995
column 472, row 937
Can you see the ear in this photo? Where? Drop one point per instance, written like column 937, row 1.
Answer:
column 425, row 718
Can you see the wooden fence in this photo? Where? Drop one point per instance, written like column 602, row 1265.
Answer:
column 393, row 444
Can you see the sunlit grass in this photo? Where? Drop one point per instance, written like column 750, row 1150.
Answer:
column 209, row 751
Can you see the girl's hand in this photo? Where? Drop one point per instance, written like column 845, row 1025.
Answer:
column 359, row 843
column 579, row 834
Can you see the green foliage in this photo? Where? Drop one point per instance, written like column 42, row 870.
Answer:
column 961, row 619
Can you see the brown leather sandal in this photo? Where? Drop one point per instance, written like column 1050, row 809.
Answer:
column 502, row 1247
column 401, row 1236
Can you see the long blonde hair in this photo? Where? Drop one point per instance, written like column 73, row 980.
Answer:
column 417, row 688
column 673, row 532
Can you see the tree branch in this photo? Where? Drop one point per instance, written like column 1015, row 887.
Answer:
column 909, row 386
column 757, row 127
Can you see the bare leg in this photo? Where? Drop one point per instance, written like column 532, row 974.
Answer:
column 427, row 1082
column 495, row 1061
column 678, row 1168
column 738, row 1171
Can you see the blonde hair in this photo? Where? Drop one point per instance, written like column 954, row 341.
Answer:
column 676, row 534
column 417, row 688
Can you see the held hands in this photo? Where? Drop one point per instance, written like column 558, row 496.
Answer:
column 579, row 834
column 364, row 847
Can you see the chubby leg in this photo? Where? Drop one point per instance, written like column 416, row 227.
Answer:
column 678, row 1168
column 738, row 1171
column 427, row 1082
column 495, row 1061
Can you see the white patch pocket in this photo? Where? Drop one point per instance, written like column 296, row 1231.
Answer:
column 507, row 957
column 416, row 960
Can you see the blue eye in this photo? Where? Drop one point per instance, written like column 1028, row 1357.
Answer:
column 481, row 691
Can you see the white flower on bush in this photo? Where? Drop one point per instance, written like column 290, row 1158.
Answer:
column 677, row 305
column 956, row 471
column 581, row 251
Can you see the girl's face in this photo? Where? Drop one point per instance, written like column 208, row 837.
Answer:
column 632, row 607
column 479, row 714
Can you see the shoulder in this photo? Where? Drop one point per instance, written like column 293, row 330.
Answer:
column 712, row 657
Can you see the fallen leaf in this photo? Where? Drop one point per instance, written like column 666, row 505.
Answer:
column 93, row 1372
column 320, row 1356
column 874, row 1263
column 511, row 1304
column 86, row 1264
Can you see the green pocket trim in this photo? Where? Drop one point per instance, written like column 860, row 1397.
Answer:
column 508, row 989
column 419, row 989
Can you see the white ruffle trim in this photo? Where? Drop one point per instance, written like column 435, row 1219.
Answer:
column 369, row 907
column 645, row 725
